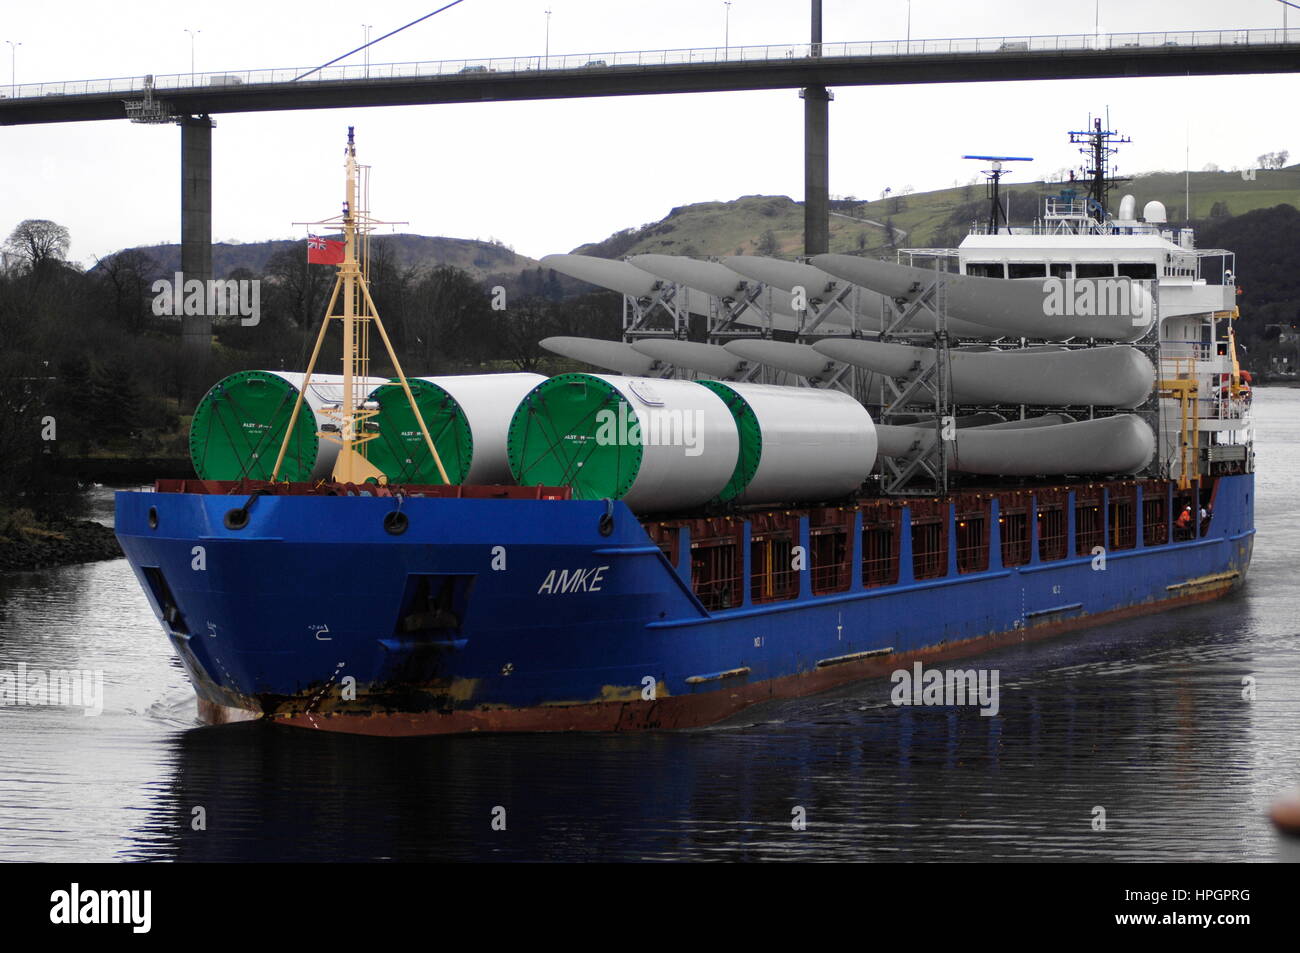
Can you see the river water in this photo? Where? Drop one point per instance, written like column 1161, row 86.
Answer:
column 1144, row 720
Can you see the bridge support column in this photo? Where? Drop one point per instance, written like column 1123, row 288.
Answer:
column 196, row 224
column 816, row 170
column 816, row 155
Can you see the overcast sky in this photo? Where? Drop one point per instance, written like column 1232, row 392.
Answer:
column 546, row 176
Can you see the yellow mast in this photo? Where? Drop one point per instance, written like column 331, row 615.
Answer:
column 1232, row 349
column 358, row 310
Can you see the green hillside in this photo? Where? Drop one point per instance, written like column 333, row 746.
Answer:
column 773, row 224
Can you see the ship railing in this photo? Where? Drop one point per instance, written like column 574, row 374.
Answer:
column 1222, row 272
column 470, row 69
column 1068, row 208
column 1065, row 225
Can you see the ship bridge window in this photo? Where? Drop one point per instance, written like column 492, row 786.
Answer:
column 1022, row 269
column 984, row 269
column 1138, row 271
column 1061, row 269
column 1087, row 269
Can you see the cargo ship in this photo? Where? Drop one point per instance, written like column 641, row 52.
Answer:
column 798, row 474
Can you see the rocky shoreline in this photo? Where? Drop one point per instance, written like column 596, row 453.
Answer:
column 56, row 543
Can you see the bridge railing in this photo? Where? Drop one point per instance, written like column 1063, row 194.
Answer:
column 704, row 56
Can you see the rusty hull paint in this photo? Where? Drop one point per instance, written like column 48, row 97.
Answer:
column 697, row 710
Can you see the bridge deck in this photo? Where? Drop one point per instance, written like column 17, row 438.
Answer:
column 715, row 69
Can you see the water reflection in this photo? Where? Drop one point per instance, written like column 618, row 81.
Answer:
column 1158, row 737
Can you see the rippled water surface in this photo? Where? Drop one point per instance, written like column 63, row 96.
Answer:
column 1144, row 719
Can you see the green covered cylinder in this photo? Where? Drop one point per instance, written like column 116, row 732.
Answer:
column 656, row 444
column 240, row 423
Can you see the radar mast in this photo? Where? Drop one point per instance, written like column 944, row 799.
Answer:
column 1099, row 145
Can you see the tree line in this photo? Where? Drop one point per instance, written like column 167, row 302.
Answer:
column 88, row 369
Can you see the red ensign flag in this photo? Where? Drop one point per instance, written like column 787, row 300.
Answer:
column 322, row 251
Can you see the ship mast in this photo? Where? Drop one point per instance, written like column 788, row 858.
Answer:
column 352, row 292
column 1099, row 145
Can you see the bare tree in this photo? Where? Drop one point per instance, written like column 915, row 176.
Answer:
column 450, row 320
column 127, row 278
column 37, row 241
column 522, row 327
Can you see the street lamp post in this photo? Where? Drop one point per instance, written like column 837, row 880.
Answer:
column 726, row 29
column 1286, row 4
column 367, row 27
column 13, row 66
column 909, row 26
column 548, row 39
column 193, row 34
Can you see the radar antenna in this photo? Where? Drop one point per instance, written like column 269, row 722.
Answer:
column 994, row 175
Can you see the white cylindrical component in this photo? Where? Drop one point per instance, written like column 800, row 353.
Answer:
column 689, row 439
column 797, row 444
column 655, row 444
column 326, row 392
column 1127, row 208
column 488, row 401
column 1154, row 213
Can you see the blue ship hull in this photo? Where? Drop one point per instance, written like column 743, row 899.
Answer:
column 522, row 614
